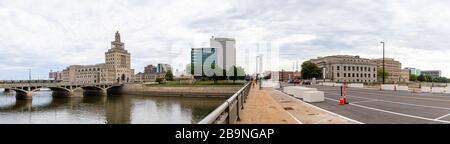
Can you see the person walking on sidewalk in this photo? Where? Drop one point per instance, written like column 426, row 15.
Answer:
column 253, row 83
column 260, row 83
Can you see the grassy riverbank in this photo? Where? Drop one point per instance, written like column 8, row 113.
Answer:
column 199, row 84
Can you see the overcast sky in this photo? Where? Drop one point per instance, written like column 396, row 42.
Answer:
column 52, row 34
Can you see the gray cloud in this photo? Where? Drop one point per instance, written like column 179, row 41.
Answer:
column 52, row 34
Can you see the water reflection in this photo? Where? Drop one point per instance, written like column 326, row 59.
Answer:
column 119, row 109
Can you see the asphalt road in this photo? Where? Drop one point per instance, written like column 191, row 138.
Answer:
column 388, row 107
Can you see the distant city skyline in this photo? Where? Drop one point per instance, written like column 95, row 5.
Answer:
column 51, row 35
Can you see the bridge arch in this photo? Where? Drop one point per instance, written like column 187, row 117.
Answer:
column 113, row 89
column 54, row 89
column 93, row 90
column 22, row 93
column 18, row 90
column 113, row 86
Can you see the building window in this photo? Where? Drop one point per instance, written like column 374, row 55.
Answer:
column 345, row 74
column 338, row 74
column 338, row 68
column 353, row 68
column 353, row 75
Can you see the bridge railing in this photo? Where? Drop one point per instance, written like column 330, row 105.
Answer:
column 29, row 81
column 8, row 85
column 229, row 111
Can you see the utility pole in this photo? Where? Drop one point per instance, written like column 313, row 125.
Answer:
column 383, row 61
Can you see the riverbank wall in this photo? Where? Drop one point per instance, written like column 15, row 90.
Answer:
column 178, row 91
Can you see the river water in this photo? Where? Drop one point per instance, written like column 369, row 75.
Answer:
column 120, row 109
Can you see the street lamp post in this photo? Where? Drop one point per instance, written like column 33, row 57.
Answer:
column 383, row 61
column 257, row 64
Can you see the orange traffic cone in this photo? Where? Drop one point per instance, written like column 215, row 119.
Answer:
column 342, row 101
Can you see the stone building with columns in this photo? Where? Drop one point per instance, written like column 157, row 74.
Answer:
column 340, row 68
column 116, row 69
column 395, row 74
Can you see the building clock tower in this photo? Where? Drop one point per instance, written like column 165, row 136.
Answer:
column 118, row 61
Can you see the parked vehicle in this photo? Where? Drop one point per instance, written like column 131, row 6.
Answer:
column 306, row 83
column 290, row 81
column 297, row 81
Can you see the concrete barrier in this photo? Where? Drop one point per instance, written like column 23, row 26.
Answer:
column 403, row 88
column 425, row 89
column 438, row 90
column 356, row 85
column 331, row 84
column 389, row 87
column 271, row 84
column 299, row 92
column 313, row 96
column 447, row 90
column 327, row 84
column 288, row 90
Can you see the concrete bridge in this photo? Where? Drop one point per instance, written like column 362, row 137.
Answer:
column 25, row 90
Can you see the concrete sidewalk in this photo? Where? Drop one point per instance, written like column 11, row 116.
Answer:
column 261, row 108
column 269, row 106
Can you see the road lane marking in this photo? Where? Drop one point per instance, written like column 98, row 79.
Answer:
column 298, row 121
column 374, row 100
column 402, row 95
column 402, row 103
column 442, row 116
column 391, row 112
column 332, row 113
column 407, row 94
column 430, row 99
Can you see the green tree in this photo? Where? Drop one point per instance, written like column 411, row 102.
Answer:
column 412, row 77
column 236, row 73
column 310, row 70
column 425, row 78
column 218, row 73
column 428, row 78
column 159, row 80
column 380, row 73
column 421, row 78
column 441, row 80
column 169, row 75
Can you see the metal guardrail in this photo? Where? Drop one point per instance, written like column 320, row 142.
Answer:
column 229, row 111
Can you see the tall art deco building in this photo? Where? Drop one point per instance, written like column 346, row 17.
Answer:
column 116, row 69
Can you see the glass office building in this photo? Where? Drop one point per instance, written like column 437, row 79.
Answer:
column 202, row 57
